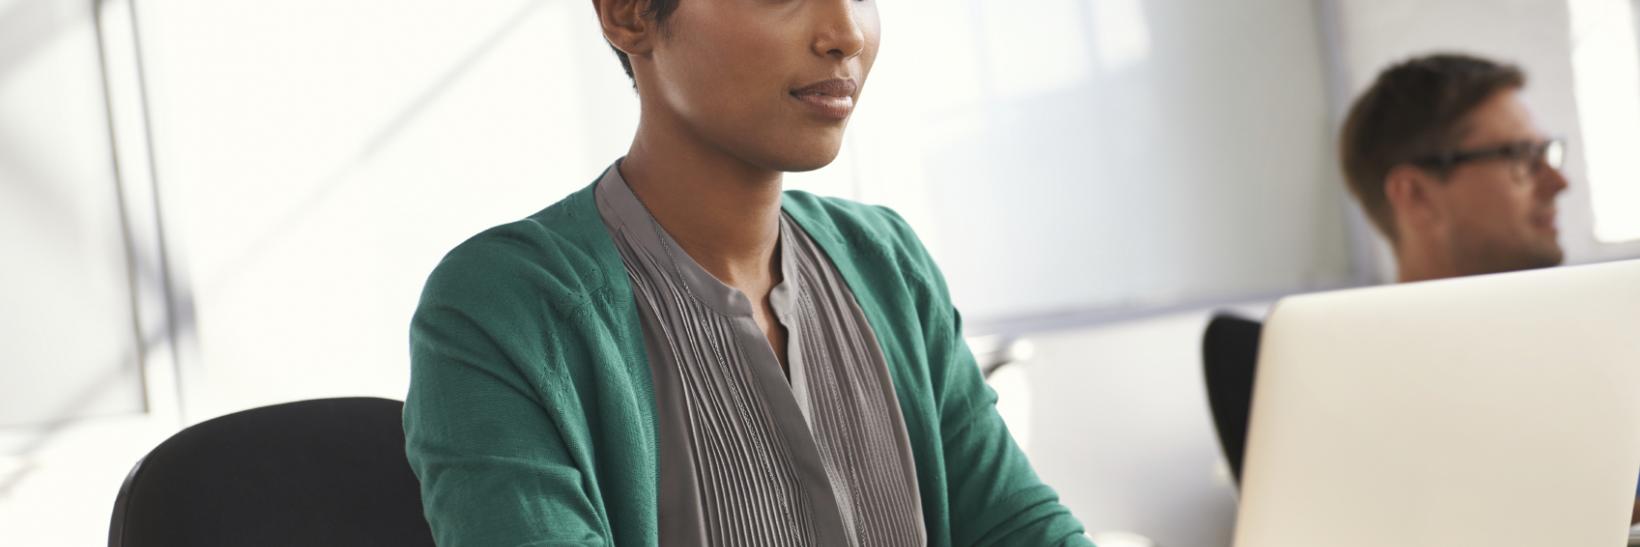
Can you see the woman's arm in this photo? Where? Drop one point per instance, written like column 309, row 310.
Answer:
column 995, row 497
column 494, row 467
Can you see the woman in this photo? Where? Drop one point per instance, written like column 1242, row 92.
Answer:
column 681, row 353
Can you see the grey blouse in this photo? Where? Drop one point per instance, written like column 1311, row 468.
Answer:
column 746, row 457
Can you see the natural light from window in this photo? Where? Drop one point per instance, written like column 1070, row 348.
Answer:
column 1606, row 64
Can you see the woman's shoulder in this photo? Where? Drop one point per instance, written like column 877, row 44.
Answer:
column 561, row 255
column 867, row 231
column 849, row 220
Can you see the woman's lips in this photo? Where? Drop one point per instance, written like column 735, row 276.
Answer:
column 832, row 99
column 836, row 108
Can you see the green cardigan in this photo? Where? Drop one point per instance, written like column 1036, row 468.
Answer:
column 531, row 418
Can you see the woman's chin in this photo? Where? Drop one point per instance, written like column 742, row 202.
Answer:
column 798, row 156
column 808, row 164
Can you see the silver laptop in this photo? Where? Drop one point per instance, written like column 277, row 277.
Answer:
column 1488, row 411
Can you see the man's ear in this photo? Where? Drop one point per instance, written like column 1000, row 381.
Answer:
column 625, row 25
column 1413, row 197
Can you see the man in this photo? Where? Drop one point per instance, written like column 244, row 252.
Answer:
column 1448, row 163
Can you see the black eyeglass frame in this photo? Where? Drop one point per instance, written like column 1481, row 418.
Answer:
column 1551, row 152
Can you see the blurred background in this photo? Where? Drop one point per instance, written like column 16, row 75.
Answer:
column 212, row 206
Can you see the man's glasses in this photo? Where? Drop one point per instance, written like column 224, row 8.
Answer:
column 1526, row 158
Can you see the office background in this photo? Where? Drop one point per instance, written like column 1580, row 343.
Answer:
column 211, row 206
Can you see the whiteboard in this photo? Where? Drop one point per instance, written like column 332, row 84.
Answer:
column 1096, row 156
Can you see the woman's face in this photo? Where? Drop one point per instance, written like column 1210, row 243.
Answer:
column 770, row 82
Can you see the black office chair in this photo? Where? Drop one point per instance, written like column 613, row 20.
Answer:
column 311, row 473
column 1229, row 364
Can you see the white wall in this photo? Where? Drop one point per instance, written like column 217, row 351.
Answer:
column 68, row 340
column 78, row 273
column 319, row 158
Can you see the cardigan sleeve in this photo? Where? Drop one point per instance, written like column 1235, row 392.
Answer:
column 494, row 466
column 995, row 495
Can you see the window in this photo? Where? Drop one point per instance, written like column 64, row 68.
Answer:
column 1606, row 65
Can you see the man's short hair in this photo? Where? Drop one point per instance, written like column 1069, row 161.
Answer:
column 1414, row 109
column 657, row 10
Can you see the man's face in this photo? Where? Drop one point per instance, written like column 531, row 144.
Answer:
column 771, row 82
column 1500, row 213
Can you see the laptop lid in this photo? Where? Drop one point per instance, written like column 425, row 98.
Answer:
column 1482, row 411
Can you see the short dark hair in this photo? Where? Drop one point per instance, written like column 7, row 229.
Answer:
column 1414, row 109
column 658, row 10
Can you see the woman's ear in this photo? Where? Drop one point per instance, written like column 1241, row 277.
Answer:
column 625, row 25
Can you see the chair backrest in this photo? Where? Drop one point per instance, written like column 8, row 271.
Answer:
column 311, row 473
column 1229, row 364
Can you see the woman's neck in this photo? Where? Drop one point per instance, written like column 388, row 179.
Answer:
column 724, row 212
